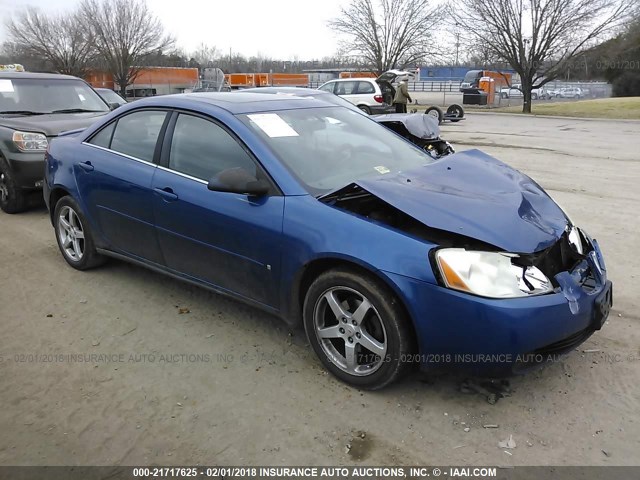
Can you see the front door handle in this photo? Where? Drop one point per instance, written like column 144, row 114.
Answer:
column 166, row 193
column 86, row 166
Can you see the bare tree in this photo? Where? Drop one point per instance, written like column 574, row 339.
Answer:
column 205, row 55
column 62, row 40
column 389, row 34
column 125, row 33
column 538, row 38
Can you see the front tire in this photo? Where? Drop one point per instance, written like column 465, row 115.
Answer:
column 435, row 112
column 74, row 236
column 13, row 199
column 358, row 329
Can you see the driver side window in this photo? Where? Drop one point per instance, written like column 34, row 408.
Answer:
column 327, row 87
column 203, row 149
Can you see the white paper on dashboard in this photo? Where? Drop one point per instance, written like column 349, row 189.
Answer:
column 273, row 125
column 6, row 86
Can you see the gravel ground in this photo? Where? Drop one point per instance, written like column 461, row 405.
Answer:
column 121, row 365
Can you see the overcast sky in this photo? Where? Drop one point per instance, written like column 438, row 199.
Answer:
column 275, row 28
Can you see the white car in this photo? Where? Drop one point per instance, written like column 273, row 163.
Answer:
column 365, row 93
column 516, row 92
column 573, row 92
column 553, row 93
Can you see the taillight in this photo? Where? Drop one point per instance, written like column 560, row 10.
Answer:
column 378, row 98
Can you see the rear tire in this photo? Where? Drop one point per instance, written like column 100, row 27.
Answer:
column 74, row 236
column 358, row 328
column 13, row 199
column 365, row 109
column 456, row 111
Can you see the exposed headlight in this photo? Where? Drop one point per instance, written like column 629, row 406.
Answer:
column 30, row 141
column 489, row 274
column 575, row 239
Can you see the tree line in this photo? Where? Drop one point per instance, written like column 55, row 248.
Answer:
column 541, row 40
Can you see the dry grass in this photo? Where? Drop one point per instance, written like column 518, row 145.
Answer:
column 618, row 108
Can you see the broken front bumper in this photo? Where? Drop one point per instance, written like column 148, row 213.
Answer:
column 502, row 336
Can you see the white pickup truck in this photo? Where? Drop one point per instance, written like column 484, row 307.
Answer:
column 516, row 92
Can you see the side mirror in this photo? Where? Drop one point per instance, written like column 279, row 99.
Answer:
column 238, row 180
column 113, row 106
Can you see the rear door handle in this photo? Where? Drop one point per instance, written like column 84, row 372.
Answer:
column 166, row 193
column 86, row 166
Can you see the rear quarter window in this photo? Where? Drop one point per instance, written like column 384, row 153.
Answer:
column 103, row 137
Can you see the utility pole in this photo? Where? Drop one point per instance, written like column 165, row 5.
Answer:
column 457, row 42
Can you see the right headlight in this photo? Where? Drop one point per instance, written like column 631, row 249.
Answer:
column 489, row 274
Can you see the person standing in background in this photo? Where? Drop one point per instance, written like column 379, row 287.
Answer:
column 402, row 95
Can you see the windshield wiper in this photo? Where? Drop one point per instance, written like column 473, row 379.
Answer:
column 21, row 112
column 77, row 110
column 350, row 190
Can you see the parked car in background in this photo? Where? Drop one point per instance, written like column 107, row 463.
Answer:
column 515, row 91
column 572, row 92
column 111, row 97
column 34, row 108
column 364, row 93
column 315, row 213
column 553, row 92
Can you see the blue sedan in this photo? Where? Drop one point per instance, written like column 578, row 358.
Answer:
column 318, row 214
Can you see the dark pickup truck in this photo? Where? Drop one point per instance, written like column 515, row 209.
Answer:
column 34, row 108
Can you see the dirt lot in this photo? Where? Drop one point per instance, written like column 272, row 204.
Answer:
column 182, row 376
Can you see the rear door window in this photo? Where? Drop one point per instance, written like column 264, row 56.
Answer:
column 366, row 87
column 136, row 134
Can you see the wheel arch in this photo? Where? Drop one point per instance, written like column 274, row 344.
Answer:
column 55, row 195
column 311, row 270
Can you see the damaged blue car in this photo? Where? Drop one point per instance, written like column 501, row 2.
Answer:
column 389, row 257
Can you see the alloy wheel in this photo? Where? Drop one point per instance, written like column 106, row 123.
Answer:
column 350, row 331
column 71, row 234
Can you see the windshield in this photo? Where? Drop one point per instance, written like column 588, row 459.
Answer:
column 39, row 95
column 110, row 96
column 472, row 75
column 329, row 148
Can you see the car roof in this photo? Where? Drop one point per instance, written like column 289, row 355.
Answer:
column 236, row 103
column 289, row 90
column 358, row 79
column 42, row 76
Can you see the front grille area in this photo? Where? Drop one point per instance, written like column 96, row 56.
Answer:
column 565, row 344
column 559, row 257
column 553, row 351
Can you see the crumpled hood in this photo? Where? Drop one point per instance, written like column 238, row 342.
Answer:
column 473, row 194
column 417, row 124
column 51, row 125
